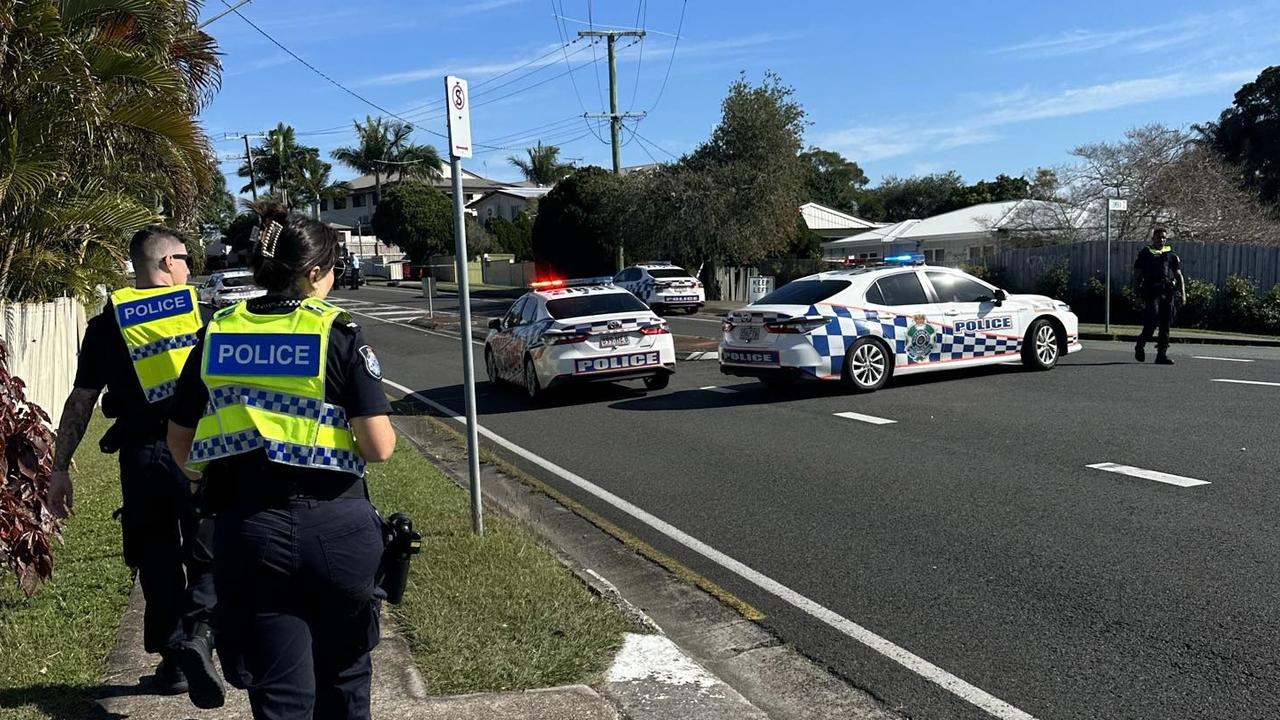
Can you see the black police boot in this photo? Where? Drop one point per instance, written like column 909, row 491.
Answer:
column 1162, row 359
column 1140, row 353
column 169, row 678
column 195, row 655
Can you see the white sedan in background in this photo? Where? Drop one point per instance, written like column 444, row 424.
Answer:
column 228, row 288
column 865, row 325
column 578, row 331
column 663, row 286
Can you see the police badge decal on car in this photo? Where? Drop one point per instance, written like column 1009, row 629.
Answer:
column 371, row 364
column 921, row 339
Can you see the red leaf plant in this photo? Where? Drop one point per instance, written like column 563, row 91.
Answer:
column 27, row 528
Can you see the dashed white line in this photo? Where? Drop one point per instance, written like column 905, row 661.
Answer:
column 1167, row 478
column 865, row 418
column 718, row 389
column 1247, row 382
column 1224, row 359
column 972, row 694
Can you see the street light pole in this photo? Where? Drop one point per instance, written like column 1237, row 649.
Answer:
column 1106, row 315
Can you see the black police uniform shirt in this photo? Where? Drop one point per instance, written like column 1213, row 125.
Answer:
column 105, row 364
column 353, row 381
column 1157, row 270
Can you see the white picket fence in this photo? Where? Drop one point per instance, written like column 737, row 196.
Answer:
column 44, row 342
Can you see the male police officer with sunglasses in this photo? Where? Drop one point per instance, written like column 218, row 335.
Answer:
column 1157, row 273
column 136, row 349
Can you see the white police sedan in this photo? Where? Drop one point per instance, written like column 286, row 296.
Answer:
column 865, row 325
column 578, row 331
column 663, row 286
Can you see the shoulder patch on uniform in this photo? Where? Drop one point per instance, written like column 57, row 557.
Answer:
column 371, row 364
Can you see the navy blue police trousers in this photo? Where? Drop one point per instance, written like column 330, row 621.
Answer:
column 166, row 543
column 297, row 612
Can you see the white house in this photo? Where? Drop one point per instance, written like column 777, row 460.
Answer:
column 965, row 235
column 356, row 209
column 831, row 223
column 507, row 202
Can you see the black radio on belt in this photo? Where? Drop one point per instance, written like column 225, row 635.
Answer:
column 401, row 543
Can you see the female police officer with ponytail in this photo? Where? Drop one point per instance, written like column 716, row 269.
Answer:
column 280, row 407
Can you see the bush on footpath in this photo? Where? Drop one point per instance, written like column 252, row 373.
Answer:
column 1056, row 281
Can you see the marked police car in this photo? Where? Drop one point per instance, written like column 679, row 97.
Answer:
column 864, row 325
column 578, row 331
column 228, row 288
column 663, row 286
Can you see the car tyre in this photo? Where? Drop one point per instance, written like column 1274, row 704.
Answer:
column 1040, row 348
column 491, row 366
column 657, row 382
column 531, row 385
column 867, row 365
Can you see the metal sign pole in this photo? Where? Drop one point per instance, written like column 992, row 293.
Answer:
column 458, row 102
column 1106, row 318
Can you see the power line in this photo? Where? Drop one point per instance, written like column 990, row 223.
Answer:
column 644, row 139
column 642, row 16
column 671, row 61
column 590, row 21
column 576, row 93
column 572, row 119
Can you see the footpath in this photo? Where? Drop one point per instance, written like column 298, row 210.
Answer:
column 695, row 652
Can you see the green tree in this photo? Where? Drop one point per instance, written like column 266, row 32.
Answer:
column 1001, row 189
column 915, row 197
column 832, row 180
column 576, row 233
column 217, row 209
column 513, row 236
column 1247, row 134
column 417, row 218
column 543, row 165
column 384, row 149
column 98, row 135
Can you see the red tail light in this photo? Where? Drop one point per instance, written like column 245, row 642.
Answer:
column 566, row 339
column 697, row 284
column 793, row 327
column 655, row 330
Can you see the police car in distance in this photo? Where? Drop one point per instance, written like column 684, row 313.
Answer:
column 588, row 330
column 865, row 325
column 663, row 286
column 228, row 288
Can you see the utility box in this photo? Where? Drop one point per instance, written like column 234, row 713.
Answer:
column 759, row 286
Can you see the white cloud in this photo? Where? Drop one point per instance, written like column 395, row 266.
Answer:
column 877, row 142
column 1207, row 29
column 475, row 8
column 469, row 68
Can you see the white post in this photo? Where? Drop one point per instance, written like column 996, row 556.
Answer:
column 1106, row 315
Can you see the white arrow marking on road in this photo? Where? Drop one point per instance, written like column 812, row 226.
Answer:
column 1156, row 475
column 715, row 389
column 865, row 418
column 1247, row 382
column 1224, row 359
column 972, row 694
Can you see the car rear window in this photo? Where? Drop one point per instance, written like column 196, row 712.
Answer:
column 900, row 289
column 594, row 304
column 803, row 292
column 236, row 281
column 669, row 273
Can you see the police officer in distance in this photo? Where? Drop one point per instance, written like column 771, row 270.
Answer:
column 135, row 349
column 1157, row 274
column 280, row 406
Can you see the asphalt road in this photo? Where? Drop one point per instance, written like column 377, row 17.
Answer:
column 970, row 531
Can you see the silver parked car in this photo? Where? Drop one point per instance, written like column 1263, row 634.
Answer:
column 228, row 288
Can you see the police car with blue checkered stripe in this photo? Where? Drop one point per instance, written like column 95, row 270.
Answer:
column 570, row 331
column 865, row 325
column 663, row 287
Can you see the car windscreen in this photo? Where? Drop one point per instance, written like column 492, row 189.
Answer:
column 594, row 304
column 803, row 292
column 669, row 273
column 238, row 281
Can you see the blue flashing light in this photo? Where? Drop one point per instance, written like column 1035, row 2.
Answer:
column 908, row 259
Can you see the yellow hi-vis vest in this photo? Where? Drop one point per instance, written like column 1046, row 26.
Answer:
column 266, row 378
column 159, row 326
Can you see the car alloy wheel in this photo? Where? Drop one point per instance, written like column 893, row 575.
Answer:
column 1040, row 350
column 531, row 385
column 867, row 365
column 1046, row 345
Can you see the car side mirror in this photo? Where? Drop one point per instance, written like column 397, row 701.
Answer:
column 1001, row 296
column 495, row 323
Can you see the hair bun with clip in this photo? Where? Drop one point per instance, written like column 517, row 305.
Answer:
column 266, row 237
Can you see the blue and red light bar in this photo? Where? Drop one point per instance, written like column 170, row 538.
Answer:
column 906, row 259
column 576, row 282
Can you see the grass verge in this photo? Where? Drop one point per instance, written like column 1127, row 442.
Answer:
column 54, row 646
column 496, row 612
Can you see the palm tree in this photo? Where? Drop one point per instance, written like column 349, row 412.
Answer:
column 98, row 135
column 274, row 161
column 367, row 157
column 543, row 166
column 311, row 183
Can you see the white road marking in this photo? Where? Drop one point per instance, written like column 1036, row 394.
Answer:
column 865, row 418
column 395, row 314
column 424, row 331
column 1247, row 382
column 343, row 302
column 699, row 319
column 1156, row 475
column 1224, row 359
column 965, row 691
column 704, row 355
column 717, row 389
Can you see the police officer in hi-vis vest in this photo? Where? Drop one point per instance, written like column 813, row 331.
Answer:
column 136, row 349
column 1157, row 277
column 279, row 407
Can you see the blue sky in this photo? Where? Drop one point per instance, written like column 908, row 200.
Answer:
column 902, row 88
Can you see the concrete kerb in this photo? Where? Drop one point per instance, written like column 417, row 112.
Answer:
column 1186, row 339
column 759, row 674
